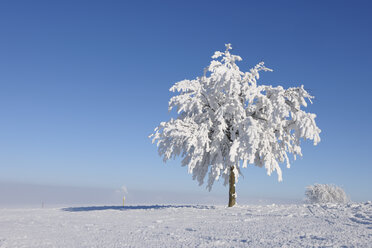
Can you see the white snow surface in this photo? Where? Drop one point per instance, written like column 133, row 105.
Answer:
column 314, row 225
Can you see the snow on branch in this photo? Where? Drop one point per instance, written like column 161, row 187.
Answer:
column 225, row 119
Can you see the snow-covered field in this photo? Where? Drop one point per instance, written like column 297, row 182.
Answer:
column 328, row 225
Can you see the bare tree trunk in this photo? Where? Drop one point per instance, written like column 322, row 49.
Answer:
column 232, row 195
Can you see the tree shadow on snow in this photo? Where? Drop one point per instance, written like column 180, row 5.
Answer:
column 139, row 207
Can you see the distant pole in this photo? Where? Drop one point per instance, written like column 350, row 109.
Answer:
column 123, row 200
column 42, row 204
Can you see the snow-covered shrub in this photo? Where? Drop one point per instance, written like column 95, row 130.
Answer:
column 325, row 193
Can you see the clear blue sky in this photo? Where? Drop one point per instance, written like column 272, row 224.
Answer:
column 83, row 83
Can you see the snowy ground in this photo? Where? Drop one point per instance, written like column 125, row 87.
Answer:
column 189, row 226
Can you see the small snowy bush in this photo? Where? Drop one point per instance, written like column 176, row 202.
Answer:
column 325, row 193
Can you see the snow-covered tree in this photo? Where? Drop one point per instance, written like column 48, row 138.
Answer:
column 325, row 193
column 226, row 121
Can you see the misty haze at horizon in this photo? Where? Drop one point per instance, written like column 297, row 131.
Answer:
column 33, row 195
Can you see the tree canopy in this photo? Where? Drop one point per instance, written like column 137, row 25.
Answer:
column 225, row 120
